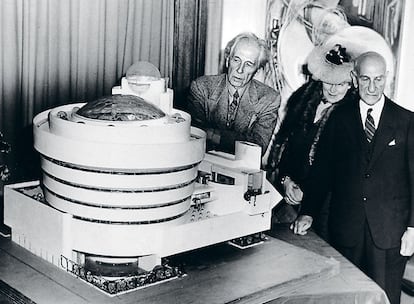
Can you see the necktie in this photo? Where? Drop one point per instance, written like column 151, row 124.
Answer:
column 231, row 114
column 369, row 125
column 235, row 99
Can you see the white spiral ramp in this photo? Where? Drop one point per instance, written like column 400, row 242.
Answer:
column 118, row 178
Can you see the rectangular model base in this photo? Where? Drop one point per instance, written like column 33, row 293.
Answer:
column 216, row 274
column 50, row 233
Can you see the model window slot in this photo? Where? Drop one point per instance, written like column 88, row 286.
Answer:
column 223, row 179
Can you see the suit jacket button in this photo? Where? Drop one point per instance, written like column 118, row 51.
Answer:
column 367, row 175
column 364, row 199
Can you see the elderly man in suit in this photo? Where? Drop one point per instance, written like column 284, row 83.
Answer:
column 368, row 164
column 234, row 106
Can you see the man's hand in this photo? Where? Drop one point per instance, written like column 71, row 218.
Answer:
column 293, row 194
column 302, row 224
column 407, row 242
column 213, row 135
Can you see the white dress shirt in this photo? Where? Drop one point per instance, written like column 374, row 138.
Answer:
column 376, row 110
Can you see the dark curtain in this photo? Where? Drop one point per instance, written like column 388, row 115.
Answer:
column 190, row 31
column 58, row 52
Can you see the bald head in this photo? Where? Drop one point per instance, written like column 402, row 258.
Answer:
column 370, row 59
column 369, row 76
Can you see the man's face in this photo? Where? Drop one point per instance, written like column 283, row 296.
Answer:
column 335, row 92
column 243, row 63
column 371, row 79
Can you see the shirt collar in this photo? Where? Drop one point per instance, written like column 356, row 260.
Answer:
column 376, row 110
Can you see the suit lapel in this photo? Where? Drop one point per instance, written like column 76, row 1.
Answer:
column 246, row 107
column 354, row 125
column 252, row 93
column 219, row 101
column 384, row 133
column 246, row 110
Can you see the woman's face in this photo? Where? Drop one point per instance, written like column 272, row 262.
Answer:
column 335, row 92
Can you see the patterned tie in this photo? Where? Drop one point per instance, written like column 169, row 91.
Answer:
column 231, row 114
column 235, row 98
column 369, row 126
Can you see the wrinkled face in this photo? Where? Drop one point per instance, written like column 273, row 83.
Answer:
column 243, row 63
column 371, row 79
column 335, row 92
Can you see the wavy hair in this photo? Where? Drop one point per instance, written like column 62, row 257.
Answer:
column 261, row 44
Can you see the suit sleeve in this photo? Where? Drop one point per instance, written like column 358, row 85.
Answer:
column 263, row 125
column 198, row 109
column 197, row 105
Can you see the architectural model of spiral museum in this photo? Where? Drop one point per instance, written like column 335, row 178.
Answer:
column 126, row 182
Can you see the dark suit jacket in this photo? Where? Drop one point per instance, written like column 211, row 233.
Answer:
column 255, row 119
column 376, row 187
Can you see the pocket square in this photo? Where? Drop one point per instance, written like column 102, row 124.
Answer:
column 392, row 142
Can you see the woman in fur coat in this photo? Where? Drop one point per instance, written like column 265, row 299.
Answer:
column 308, row 109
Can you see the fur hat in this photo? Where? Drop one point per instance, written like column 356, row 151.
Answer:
column 331, row 63
column 353, row 41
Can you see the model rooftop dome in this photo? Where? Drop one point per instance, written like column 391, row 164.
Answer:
column 120, row 108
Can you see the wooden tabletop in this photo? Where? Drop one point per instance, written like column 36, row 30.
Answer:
column 285, row 269
column 349, row 286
